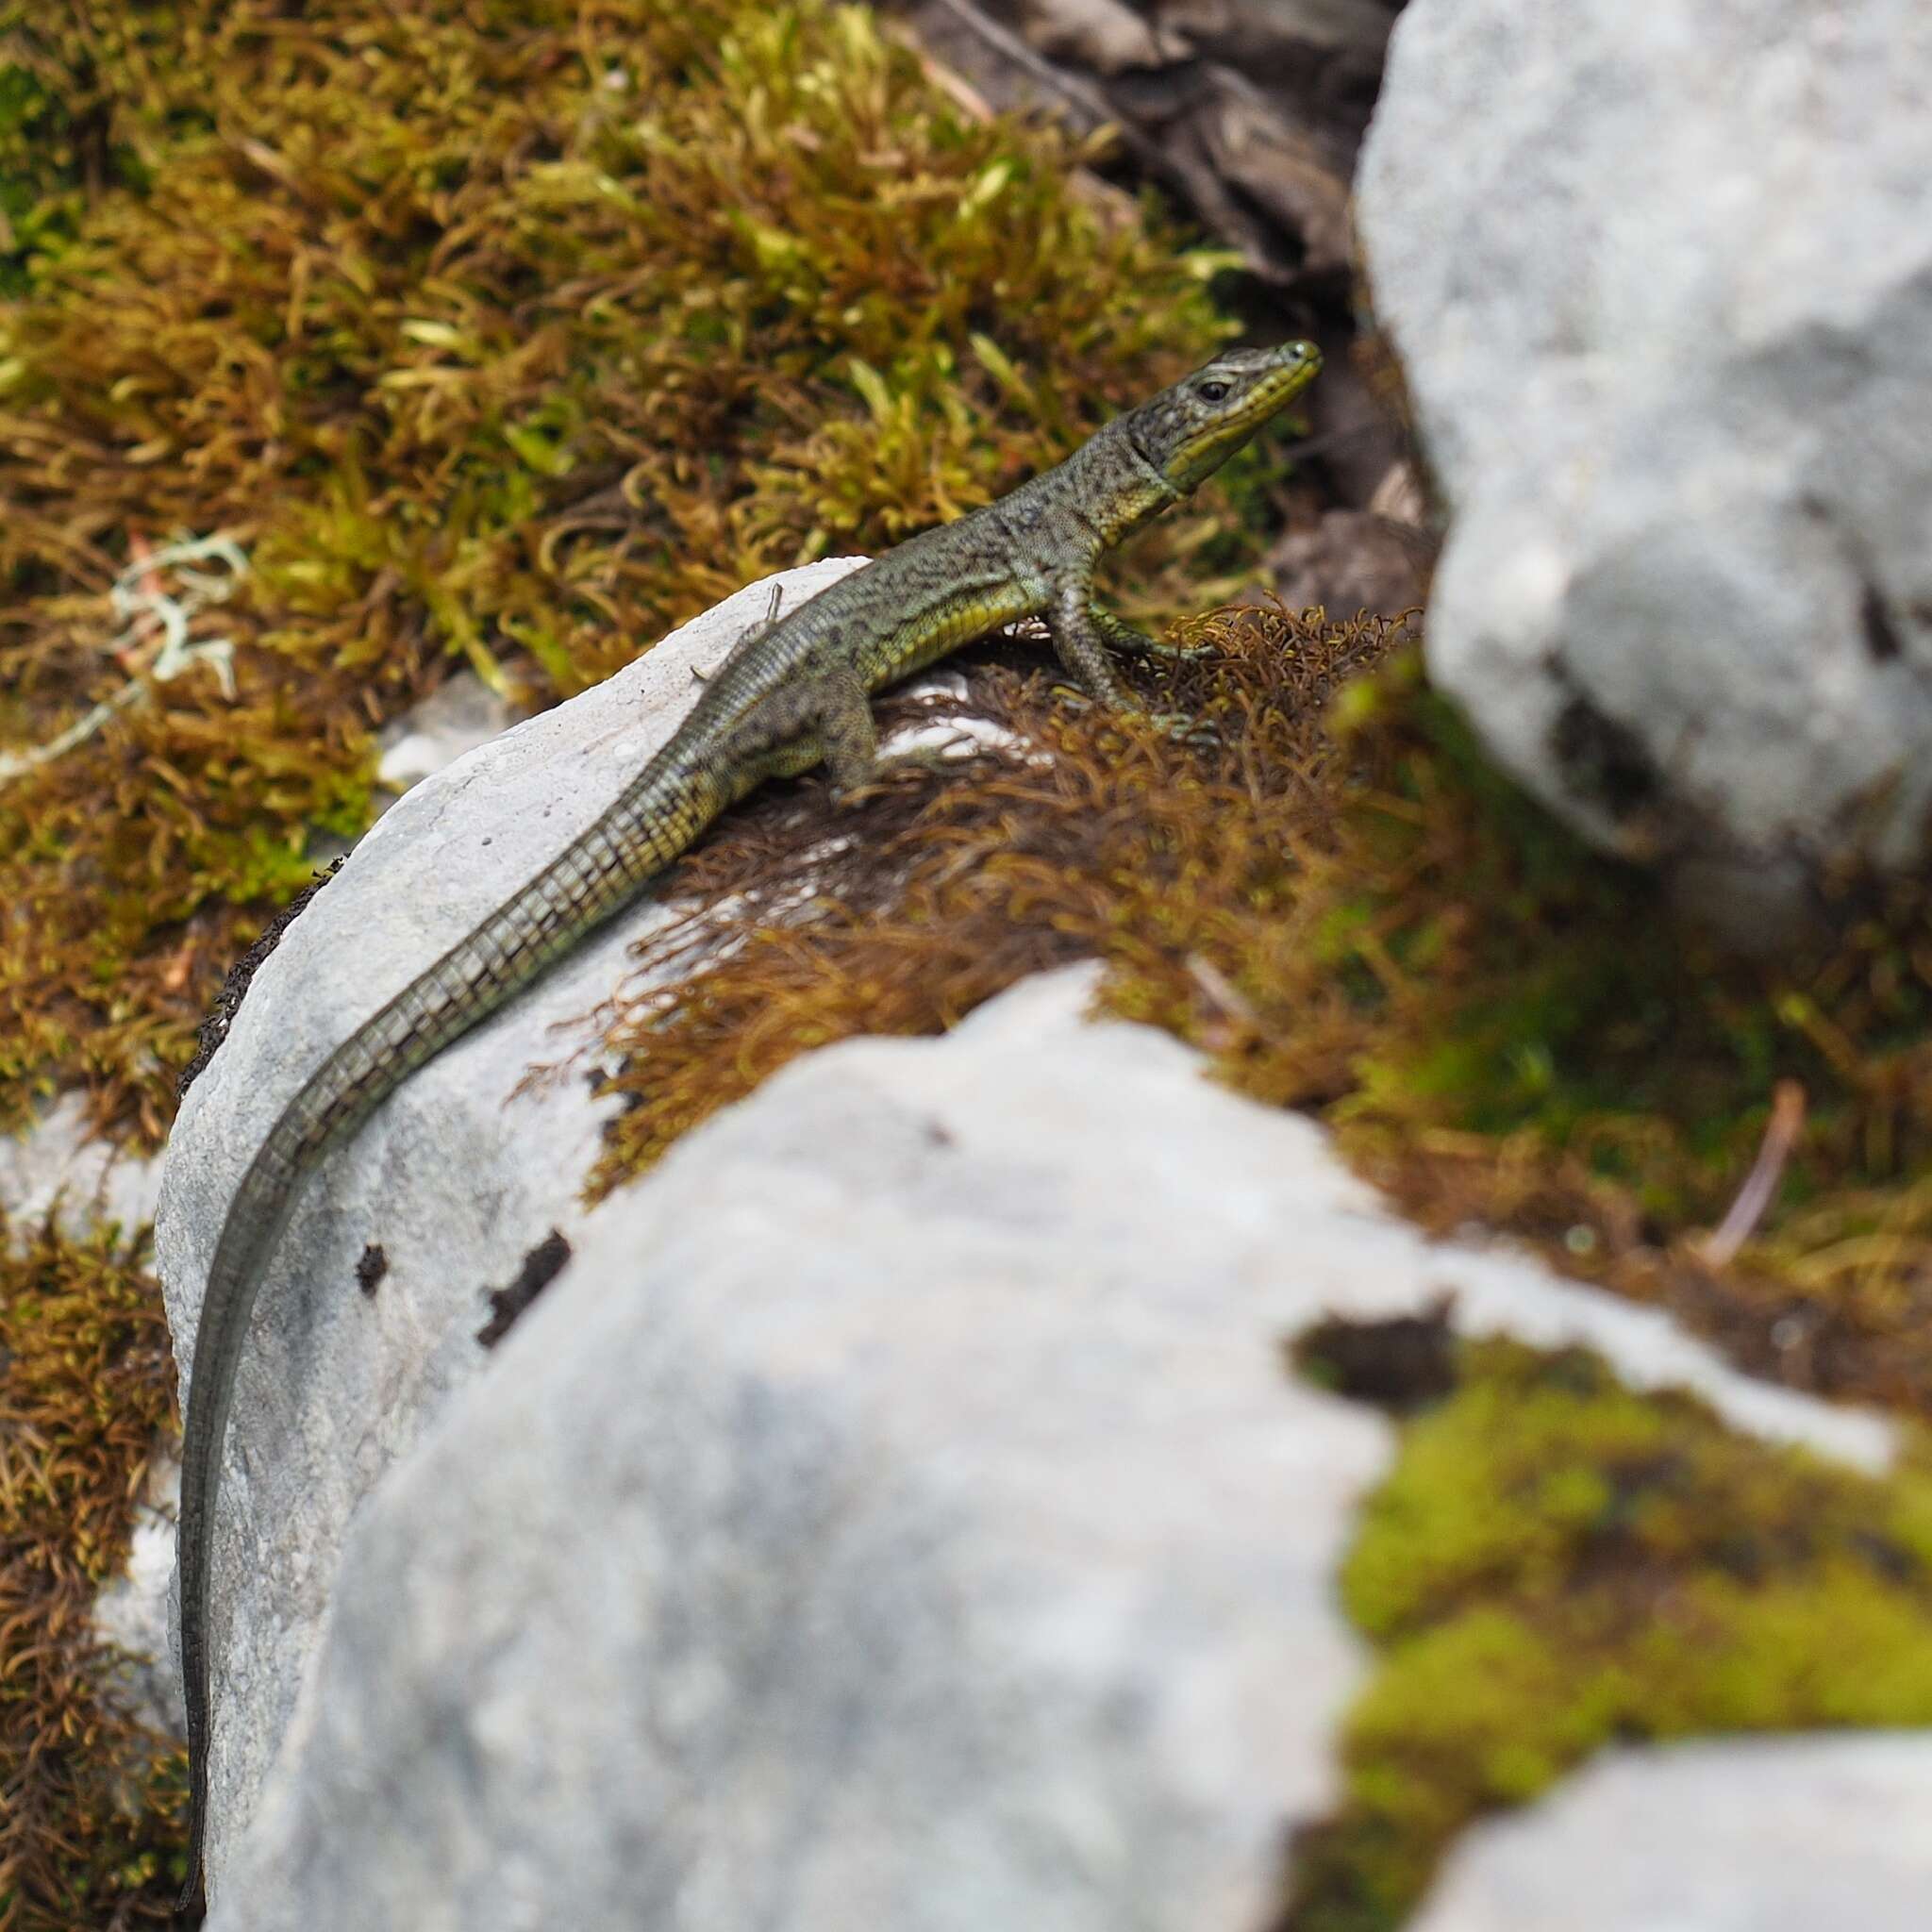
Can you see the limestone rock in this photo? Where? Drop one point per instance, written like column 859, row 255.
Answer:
column 1765, row 1835
column 457, row 717
column 452, row 1182
column 60, row 1171
column 1661, row 281
column 897, row 1509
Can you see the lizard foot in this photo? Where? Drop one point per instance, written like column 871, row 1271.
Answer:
column 1180, row 726
column 922, row 758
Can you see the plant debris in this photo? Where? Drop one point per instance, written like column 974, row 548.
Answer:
column 540, row 1267
column 372, row 1264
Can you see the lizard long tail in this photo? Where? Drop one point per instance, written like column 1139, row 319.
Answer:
column 657, row 817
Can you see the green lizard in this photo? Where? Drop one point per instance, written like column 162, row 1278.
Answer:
column 792, row 692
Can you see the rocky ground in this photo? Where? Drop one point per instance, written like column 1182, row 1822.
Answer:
column 1362, row 1361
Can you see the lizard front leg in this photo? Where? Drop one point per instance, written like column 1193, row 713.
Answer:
column 1120, row 635
column 1081, row 633
column 847, row 733
column 1080, row 643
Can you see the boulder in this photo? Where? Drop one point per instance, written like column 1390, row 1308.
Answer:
column 1777, row 1835
column 894, row 1509
column 334, row 1383
column 1661, row 278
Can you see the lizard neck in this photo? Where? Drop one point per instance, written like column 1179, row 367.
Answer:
column 1118, row 488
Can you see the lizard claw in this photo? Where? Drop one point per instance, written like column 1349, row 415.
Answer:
column 1184, row 728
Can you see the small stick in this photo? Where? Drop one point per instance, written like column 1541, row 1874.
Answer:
column 1781, row 1133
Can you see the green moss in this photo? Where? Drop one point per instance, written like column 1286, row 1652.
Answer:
column 501, row 334
column 1539, row 1043
column 91, row 1804
column 79, row 105
column 1555, row 1562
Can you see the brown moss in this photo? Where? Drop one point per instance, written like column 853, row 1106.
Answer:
column 497, row 333
column 1361, row 918
column 90, row 1801
column 946, row 886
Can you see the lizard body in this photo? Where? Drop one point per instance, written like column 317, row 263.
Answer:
column 792, row 692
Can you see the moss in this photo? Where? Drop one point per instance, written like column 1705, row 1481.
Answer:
column 91, row 1804
column 1555, row 1562
column 501, row 334
column 1353, row 914
column 79, row 110
column 942, row 888
column 1539, row 1043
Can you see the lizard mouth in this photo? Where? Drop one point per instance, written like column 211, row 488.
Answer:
column 1286, row 373
column 1298, row 365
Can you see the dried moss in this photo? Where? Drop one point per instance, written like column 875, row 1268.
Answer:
column 91, row 1813
column 1555, row 1562
column 502, row 333
column 936, row 890
column 1364, row 919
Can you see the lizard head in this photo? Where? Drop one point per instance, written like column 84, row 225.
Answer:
column 1188, row 431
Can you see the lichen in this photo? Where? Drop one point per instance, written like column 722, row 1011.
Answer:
column 90, row 1801
column 1555, row 1562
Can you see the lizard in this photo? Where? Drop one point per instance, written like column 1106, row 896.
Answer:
column 791, row 693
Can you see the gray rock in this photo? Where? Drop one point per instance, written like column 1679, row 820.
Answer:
column 1773, row 1835
column 59, row 1171
column 891, row 1518
column 896, row 1511
column 454, row 1180
column 1661, row 281
column 461, row 713
column 131, row 1610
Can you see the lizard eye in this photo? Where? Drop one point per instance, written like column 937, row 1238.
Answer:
column 1213, row 392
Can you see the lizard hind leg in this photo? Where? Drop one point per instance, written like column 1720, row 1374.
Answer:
column 749, row 638
column 847, row 735
column 849, row 738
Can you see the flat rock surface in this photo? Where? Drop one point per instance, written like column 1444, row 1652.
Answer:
column 1661, row 278
column 1775, row 1835
column 59, row 1170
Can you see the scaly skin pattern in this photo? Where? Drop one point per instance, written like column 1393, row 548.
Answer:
column 792, row 694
